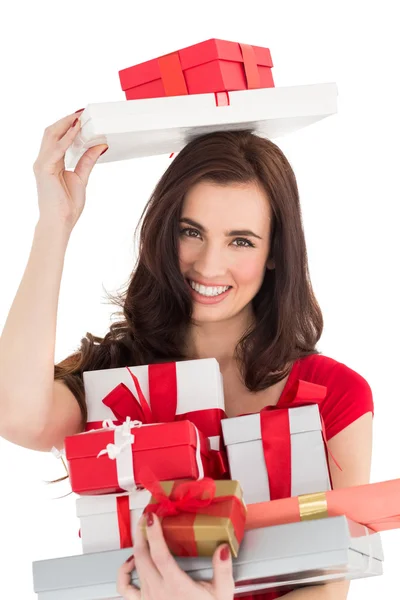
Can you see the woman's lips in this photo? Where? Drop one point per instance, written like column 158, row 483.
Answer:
column 201, row 299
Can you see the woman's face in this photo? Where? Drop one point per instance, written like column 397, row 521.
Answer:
column 224, row 247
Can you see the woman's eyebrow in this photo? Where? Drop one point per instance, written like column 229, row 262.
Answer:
column 227, row 233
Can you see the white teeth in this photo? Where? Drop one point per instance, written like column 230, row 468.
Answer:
column 208, row 291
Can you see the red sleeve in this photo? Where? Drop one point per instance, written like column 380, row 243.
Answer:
column 348, row 398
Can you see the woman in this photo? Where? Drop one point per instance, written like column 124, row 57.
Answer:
column 222, row 272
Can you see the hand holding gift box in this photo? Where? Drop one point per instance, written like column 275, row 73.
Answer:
column 110, row 460
column 216, row 85
column 197, row 516
column 284, row 444
column 280, row 557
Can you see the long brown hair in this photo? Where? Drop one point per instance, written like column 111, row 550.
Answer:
column 156, row 303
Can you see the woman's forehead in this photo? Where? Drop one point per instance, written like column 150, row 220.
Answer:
column 233, row 204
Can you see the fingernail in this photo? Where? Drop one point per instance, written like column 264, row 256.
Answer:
column 105, row 150
column 75, row 122
column 225, row 553
column 149, row 519
column 130, row 558
column 80, row 110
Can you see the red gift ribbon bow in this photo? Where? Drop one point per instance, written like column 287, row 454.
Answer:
column 185, row 501
column 162, row 391
column 275, row 435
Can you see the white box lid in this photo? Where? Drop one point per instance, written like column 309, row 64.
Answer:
column 199, row 386
column 247, row 427
column 107, row 503
column 152, row 126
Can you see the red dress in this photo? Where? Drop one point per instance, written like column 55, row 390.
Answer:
column 348, row 397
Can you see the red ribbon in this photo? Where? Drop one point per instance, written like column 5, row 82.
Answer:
column 162, row 391
column 188, row 496
column 250, row 67
column 275, row 435
column 172, row 76
column 174, row 82
column 124, row 522
column 184, row 503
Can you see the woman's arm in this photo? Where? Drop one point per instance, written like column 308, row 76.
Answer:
column 337, row 590
column 352, row 448
column 27, row 343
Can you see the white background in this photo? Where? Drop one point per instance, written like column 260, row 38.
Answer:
column 58, row 57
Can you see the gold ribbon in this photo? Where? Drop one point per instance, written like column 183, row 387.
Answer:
column 313, row 506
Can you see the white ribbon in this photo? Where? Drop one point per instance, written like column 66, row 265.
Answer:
column 198, row 455
column 121, row 451
column 56, row 453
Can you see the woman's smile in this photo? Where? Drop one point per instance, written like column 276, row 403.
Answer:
column 207, row 295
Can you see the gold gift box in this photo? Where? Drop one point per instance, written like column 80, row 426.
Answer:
column 199, row 534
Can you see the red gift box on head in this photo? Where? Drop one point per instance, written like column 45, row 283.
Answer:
column 211, row 66
column 110, row 460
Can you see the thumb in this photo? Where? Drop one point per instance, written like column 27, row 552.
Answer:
column 88, row 160
column 223, row 582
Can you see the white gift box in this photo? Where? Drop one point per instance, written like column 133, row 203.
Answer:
column 279, row 557
column 152, row 126
column 99, row 519
column 309, row 468
column 199, row 387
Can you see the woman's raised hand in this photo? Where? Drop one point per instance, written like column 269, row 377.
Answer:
column 61, row 193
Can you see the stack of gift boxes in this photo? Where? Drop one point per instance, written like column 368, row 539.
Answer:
column 159, row 433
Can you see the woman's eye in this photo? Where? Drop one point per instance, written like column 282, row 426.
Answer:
column 244, row 243
column 194, row 233
column 188, row 232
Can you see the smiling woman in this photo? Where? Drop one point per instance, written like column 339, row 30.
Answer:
column 222, row 272
column 225, row 270
column 225, row 213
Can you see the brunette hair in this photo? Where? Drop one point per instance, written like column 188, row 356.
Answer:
column 156, row 303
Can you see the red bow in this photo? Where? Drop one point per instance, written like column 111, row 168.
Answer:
column 191, row 496
column 178, row 510
column 162, row 391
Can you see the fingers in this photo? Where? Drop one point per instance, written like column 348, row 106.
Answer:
column 162, row 558
column 124, row 586
column 87, row 161
column 223, row 582
column 148, row 573
column 58, row 129
column 56, row 140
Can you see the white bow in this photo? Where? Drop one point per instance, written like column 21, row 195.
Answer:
column 113, row 450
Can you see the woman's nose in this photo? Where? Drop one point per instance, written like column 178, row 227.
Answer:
column 210, row 263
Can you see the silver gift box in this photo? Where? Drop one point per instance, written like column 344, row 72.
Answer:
column 279, row 557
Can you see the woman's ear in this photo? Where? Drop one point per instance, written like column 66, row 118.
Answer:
column 270, row 264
